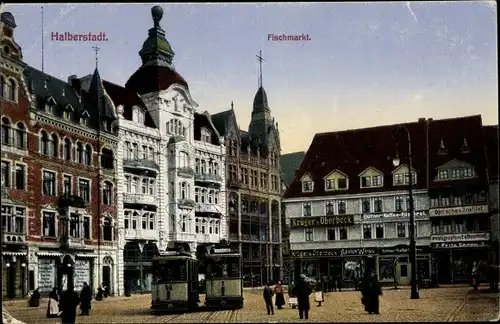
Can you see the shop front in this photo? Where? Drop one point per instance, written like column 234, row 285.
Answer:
column 394, row 265
column 47, row 274
column 453, row 260
column 14, row 274
column 349, row 263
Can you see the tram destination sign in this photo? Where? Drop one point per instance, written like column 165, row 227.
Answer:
column 321, row 221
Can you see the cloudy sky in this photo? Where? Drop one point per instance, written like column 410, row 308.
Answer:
column 365, row 64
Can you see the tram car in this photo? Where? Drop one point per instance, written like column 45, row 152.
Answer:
column 175, row 283
column 223, row 279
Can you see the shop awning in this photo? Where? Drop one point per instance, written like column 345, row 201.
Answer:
column 86, row 255
column 49, row 254
column 14, row 253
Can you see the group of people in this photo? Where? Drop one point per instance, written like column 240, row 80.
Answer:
column 64, row 304
column 299, row 295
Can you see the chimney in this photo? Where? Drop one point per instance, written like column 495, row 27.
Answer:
column 296, row 172
column 71, row 78
column 421, row 120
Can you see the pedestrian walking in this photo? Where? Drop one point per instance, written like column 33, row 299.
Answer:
column 53, row 305
column 475, row 275
column 338, row 281
column 280, row 295
column 303, row 291
column 292, row 298
column 268, row 299
column 370, row 292
column 85, row 299
column 325, row 280
column 34, row 300
column 319, row 297
column 68, row 304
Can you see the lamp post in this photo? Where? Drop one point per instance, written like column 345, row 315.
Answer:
column 413, row 246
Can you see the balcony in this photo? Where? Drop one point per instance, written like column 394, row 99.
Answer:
column 17, row 237
column 141, row 164
column 143, row 199
column 186, row 203
column 207, row 208
column 141, row 234
column 72, row 242
column 234, row 184
column 208, row 178
column 207, row 238
column 72, row 201
column 186, row 172
column 182, row 237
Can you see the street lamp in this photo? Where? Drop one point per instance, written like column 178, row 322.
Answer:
column 413, row 246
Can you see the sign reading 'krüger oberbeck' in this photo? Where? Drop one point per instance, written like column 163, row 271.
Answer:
column 462, row 210
column 336, row 220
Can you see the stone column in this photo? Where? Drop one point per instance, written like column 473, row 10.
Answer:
column 95, row 276
column 269, row 245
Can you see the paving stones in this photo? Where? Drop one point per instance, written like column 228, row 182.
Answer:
column 434, row 305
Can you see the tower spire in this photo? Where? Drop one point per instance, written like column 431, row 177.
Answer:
column 96, row 50
column 260, row 59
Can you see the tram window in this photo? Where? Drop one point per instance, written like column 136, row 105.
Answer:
column 224, row 268
column 174, row 270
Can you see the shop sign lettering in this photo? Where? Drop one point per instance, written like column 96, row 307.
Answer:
column 394, row 215
column 459, row 244
column 333, row 252
column 402, row 250
column 465, row 237
column 322, row 221
column 463, row 210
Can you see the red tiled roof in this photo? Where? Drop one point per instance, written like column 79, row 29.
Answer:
column 353, row 151
column 153, row 78
column 490, row 134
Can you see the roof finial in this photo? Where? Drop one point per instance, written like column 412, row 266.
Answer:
column 96, row 50
column 232, row 104
column 157, row 13
column 259, row 57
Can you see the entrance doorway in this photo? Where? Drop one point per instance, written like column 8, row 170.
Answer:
column 403, row 271
column 107, row 274
column 370, row 265
column 11, row 282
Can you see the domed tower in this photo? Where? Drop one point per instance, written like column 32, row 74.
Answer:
column 157, row 71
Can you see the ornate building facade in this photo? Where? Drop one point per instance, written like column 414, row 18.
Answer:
column 58, row 171
column 254, row 190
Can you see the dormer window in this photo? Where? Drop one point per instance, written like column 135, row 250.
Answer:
column 465, row 147
column 206, row 135
column 50, row 105
column 68, row 112
column 370, row 178
column 138, row 116
column 442, row 149
column 330, row 184
column 307, row 186
column 84, row 118
column 336, row 180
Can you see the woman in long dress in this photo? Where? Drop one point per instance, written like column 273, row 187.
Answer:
column 280, row 295
column 53, row 306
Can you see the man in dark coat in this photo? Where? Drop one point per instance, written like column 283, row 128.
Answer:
column 69, row 302
column 370, row 291
column 85, row 299
column 268, row 299
column 302, row 291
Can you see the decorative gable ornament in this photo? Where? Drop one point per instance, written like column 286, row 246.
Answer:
column 465, row 147
column 442, row 149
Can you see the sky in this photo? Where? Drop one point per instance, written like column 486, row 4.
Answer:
column 365, row 64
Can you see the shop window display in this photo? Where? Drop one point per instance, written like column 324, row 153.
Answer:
column 353, row 270
column 386, row 269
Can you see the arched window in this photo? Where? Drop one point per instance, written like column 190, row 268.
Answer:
column 151, row 189
column 20, row 135
column 203, row 167
column 183, row 160
column 211, row 227
column 11, row 90
column 206, row 135
column 144, row 186
column 135, row 219
column 107, row 229
column 126, row 219
column 6, row 131
column 44, row 143
column 184, row 223
column 183, row 190
column 88, row 155
column 175, row 127
column 67, row 149
column 203, row 226
column 210, row 196
column 151, row 221
column 79, row 152
column 133, row 188
column 217, row 225
column 107, row 193
column 54, row 145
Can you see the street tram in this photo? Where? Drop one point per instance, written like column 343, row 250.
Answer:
column 175, row 282
column 223, row 279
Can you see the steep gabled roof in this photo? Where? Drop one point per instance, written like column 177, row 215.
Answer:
column 204, row 120
column 220, row 121
column 289, row 164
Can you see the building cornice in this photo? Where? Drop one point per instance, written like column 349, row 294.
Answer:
column 354, row 196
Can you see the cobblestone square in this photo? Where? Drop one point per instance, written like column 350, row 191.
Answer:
column 435, row 305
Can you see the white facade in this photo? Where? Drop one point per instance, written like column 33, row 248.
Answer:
column 389, row 218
